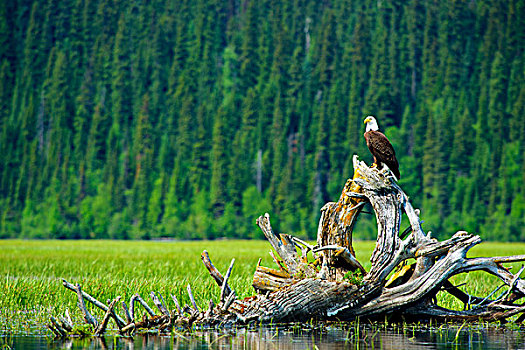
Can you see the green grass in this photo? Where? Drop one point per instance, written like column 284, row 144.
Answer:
column 31, row 272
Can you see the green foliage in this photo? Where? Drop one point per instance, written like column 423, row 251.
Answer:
column 95, row 215
column 254, row 204
column 355, row 278
column 141, row 120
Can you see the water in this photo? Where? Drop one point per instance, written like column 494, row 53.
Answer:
column 296, row 337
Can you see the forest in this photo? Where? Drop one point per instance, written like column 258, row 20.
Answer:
column 188, row 119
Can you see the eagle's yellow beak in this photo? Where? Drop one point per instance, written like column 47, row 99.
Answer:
column 367, row 120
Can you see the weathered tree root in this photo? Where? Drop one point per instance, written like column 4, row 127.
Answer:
column 301, row 290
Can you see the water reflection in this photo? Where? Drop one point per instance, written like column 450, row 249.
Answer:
column 296, row 337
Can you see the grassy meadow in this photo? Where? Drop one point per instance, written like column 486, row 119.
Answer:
column 31, row 272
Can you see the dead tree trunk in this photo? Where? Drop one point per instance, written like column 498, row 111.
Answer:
column 319, row 287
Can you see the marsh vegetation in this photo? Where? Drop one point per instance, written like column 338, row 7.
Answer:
column 32, row 270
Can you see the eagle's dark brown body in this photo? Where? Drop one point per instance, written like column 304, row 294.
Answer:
column 382, row 151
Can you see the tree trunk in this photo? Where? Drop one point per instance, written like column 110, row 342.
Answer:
column 335, row 286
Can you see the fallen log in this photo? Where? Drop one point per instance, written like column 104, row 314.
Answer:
column 319, row 288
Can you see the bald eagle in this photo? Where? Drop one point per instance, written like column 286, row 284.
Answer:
column 380, row 147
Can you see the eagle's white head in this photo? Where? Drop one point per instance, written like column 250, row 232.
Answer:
column 371, row 123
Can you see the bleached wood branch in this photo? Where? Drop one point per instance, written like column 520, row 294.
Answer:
column 224, row 292
column 159, row 303
column 90, row 319
column 145, row 305
column 92, row 300
column 192, row 299
column 101, row 329
column 282, row 244
column 217, row 276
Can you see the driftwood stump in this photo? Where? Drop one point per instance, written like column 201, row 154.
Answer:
column 326, row 282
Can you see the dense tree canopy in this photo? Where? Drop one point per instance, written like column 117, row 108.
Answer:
column 189, row 118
